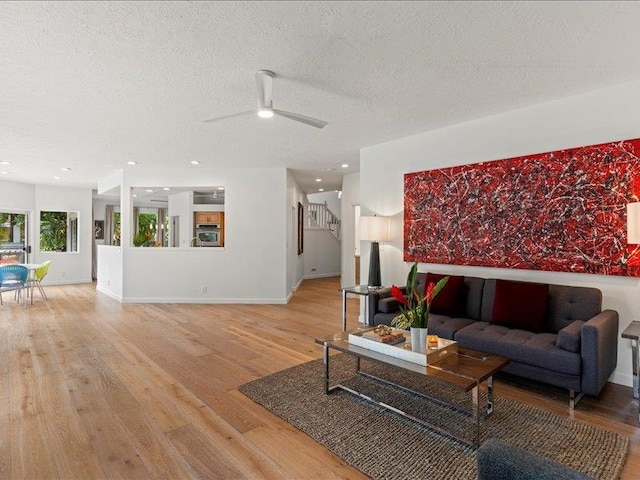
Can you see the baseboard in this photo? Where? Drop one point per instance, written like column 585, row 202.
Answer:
column 109, row 294
column 322, row 275
column 247, row 301
column 66, row 282
column 624, row 379
column 297, row 285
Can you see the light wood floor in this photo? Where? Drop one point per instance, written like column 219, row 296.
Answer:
column 91, row 388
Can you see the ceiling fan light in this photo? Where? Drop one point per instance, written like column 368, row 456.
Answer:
column 265, row 112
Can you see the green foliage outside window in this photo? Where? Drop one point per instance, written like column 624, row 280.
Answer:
column 7, row 223
column 147, row 227
column 53, row 231
column 116, row 228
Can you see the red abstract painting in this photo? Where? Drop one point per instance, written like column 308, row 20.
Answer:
column 562, row 211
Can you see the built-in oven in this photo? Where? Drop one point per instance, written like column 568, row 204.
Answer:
column 208, row 235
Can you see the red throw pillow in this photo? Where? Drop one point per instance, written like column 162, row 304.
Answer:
column 447, row 302
column 520, row 305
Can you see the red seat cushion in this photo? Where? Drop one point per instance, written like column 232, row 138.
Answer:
column 520, row 305
column 447, row 302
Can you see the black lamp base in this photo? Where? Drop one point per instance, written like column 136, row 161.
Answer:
column 374, row 266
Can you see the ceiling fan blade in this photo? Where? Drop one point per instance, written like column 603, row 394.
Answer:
column 230, row 116
column 314, row 122
column 264, row 81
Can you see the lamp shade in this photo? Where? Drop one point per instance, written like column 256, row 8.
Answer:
column 633, row 223
column 375, row 229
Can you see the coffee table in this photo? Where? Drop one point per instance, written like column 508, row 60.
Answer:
column 465, row 370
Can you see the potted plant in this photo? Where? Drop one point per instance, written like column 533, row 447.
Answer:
column 415, row 307
column 141, row 239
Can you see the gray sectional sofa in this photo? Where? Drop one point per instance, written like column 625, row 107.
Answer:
column 575, row 346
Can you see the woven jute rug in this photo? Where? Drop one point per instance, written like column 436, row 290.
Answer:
column 386, row 445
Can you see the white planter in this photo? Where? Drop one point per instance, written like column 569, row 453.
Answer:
column 419, row 340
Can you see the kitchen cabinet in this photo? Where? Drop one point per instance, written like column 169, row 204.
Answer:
column 208, row 217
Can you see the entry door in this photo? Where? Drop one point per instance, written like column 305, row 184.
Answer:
column 14, row 245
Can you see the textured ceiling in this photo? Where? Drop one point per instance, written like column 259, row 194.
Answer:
column 91, row 85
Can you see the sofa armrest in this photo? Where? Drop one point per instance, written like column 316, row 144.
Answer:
column 374, row 301
column 599, row 350
column 499, row 460
column 374, row 297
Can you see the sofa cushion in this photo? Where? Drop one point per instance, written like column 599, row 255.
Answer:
column 569, row 336
column 448, row 300
column 566, row 304
column 389, row 305
column 520, row 305
column 445, row 326
column 536, row 349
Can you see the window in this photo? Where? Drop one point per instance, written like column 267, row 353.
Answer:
column 59, row 231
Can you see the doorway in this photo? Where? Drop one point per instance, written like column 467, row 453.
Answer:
column 14, row 230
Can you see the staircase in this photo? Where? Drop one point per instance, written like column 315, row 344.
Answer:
column 319, row 216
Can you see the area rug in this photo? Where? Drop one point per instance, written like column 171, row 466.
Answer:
column 386, row 445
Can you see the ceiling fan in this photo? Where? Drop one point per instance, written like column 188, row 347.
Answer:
column 264, row 80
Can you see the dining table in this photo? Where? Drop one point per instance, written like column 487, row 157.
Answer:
column 32, row 267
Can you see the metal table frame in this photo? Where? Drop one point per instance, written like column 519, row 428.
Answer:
column 632, row 332
column 472, row 385
column 362, row 290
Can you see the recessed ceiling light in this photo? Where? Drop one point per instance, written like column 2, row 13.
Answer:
column 4, row 162
column 195, row 162
column 166, row 188
column 149, row 190
column 265, row 112
column 131, row 162
column 4, row 173
column 55, row 177
column 321, row 189
column 65, row 169
column 318, row 179
column 220, row 188
column 345, row 165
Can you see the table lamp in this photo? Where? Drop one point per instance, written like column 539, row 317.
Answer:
column 374, row 229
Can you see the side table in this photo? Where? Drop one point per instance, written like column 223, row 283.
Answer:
column 363, row 290
column 632, row 332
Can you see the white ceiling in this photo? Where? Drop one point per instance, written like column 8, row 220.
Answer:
column 91, row 85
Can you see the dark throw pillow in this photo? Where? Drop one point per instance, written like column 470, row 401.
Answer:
column 520, row 305
column 389, row 305
column 447, row 302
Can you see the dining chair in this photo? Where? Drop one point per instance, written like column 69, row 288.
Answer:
column 37, row 277
column 13, row 278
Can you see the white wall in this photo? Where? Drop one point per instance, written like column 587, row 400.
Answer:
column 322, row 253
column 295, row 262
column 251, row 268
column 110, row 271
column 350, row 198
column 602, row 116
column 17, row 197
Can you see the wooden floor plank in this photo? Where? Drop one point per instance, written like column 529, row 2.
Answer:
column 92, row 388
